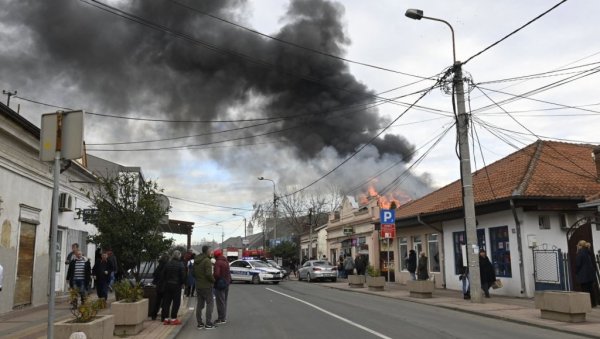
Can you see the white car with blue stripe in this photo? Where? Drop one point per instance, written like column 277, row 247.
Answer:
column 254, row 271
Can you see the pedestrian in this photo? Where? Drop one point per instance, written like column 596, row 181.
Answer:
column 79, row 274
column 360, row 265
column 190, row 289
column 115, row 273
column 324, row 257
column 411, row 264
column 341, row 271
column 71, row 255
column 486, row 273
column 595, row 288
column 293, row 267
column 348, row 265
column 159, row 282
column 174, row 280
column 203, row 272
column 422, row 273
column 222, row 281
column 102, row 270
column 466, row 286
column 584, row 271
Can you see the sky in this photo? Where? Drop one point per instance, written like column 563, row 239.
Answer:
column 234, row 105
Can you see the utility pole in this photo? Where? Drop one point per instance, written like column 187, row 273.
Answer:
column 462, row 125
column 310, row 210
column 8, row 95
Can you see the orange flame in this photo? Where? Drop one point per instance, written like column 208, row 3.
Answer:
column 384, row 201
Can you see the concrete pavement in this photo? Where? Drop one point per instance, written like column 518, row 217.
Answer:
column 518, row 310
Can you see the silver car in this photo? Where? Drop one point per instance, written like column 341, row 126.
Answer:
column 317, row 270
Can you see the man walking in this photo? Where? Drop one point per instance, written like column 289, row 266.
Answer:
column 79, row 274
column 222, row 281
column 203, row 274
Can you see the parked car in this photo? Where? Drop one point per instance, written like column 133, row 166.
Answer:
column 317, row 270
column 274, row 263
column 254, row 271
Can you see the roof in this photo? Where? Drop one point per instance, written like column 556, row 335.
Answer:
column 14, row 116
column 544, row 169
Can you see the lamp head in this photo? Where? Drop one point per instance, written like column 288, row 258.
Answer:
column 412, row 13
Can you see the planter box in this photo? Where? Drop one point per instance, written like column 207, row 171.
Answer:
column 101, row 327
column 356, row 281
column 563, row 306
column 375, row 283
column 420, row 288
column 129, row 317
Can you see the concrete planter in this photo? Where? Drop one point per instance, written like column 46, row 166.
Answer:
column 356, row 281
column 101, row 327
column 376, row 283
column 563, row 306
column 129, row 317
column 420, row 288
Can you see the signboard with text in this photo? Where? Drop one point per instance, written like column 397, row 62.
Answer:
column 388, row 231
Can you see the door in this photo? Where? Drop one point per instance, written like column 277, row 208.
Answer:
column 25, row 265
column 581, row 230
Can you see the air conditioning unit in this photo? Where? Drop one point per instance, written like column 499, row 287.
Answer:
column 65, row 202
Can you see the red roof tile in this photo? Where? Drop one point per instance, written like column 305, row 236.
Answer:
column 544, row 169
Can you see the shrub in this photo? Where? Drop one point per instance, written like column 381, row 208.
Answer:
column 372, row 271
column 87, row 311
column 127, row 291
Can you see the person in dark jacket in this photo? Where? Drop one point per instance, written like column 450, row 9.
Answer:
column 584, row 271
column 221, row 272
column 486, row 273
column 203, row 272
column 79, row 274
column 174, row 279
column 411, row 264
column 158, row 281
column 102, row 270
column 360, row 264
column 422, row 273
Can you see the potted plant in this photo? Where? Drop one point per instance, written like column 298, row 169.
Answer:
column 130, row 309
column 86, row 319
column 375, row 281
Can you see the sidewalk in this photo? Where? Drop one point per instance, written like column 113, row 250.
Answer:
column 518, row 310
column 32, row 322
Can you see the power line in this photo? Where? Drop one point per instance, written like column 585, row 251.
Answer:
column 538, row 75
column 515, row 31
column 296, row 45
column 207, row 204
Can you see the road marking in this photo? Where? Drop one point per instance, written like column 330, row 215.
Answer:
column 333, row 315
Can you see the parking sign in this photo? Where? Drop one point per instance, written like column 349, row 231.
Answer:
column 387, row 216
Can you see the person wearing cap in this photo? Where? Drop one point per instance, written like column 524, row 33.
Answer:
column 221, row 272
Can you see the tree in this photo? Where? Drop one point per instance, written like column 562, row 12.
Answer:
column 286, row 250
column 127, row 217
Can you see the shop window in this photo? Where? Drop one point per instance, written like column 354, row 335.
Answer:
column 403, row 250
column 500, row 247
column 434, row 252
column 417, row 244
column 459, row 239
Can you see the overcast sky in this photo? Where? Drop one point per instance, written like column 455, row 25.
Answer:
column 204, row 76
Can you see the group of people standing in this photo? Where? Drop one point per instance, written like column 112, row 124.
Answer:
column 211, row 280
column 417, row 268
column 80, row 273
column 487, row 276
column 348, row 266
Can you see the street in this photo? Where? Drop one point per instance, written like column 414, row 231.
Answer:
column 301, row 310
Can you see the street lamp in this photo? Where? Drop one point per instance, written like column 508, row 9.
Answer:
column 462, row 123
column 274, row 207
column 243, row 242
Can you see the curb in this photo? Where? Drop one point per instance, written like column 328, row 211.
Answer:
column 454, row 308
column 186, row 317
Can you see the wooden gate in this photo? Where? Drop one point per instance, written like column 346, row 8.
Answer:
column 580, row 230
column 25, row 265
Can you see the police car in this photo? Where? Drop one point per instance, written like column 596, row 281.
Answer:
column 254, row 271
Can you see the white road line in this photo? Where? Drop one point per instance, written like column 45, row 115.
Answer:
column 333, row 315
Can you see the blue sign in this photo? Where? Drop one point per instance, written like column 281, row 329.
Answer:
column 387, row 216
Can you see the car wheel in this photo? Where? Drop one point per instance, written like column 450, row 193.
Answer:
column 308, row 278
column 255, row 279
column 275, row 282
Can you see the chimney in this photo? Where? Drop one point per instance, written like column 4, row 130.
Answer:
column 596, row 156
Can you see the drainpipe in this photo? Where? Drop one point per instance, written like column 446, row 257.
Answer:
column 441, row 242
column 519, row 244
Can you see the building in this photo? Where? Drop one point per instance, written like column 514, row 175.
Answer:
column 528, row 203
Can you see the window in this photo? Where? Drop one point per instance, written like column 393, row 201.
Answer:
column 544, row 222
column 500, row 247
column 403, row 250
column 459, row 239
column 434, row 253
column 417, row 245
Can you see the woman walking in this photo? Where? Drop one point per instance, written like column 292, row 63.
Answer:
column 422, row 273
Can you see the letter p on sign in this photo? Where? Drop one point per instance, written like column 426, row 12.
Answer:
column 388, row 216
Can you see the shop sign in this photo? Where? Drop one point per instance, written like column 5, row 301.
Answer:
column 388, row 231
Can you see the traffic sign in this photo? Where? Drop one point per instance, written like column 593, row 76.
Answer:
column 388, row 231
column 387, row 216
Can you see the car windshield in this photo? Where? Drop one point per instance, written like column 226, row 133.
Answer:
column 272, row 263
column 259, row 264
column 321, row 263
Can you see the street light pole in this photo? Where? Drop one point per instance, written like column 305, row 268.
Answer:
column 462, row 123
column 274, row 208
column 237, row 215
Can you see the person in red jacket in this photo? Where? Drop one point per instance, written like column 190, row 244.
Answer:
column 222, row 281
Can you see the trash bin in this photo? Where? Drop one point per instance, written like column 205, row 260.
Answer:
column 150, row 293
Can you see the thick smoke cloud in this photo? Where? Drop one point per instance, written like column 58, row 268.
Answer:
column 123, row 63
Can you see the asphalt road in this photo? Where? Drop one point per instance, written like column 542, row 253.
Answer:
column 301, row 310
